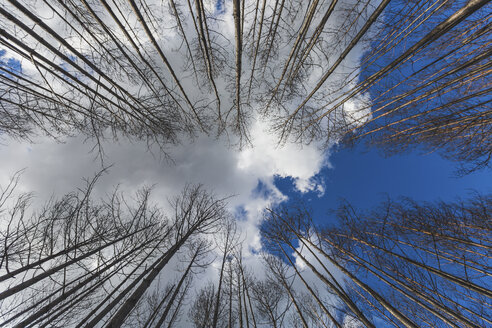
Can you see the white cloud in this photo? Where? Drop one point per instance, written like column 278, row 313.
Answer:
column 58, row 167
column 266, row 158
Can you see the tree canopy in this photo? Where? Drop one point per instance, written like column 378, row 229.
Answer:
column 395, row 74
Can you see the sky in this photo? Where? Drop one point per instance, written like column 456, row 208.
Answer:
column 365, row 176
column 257, row 176
column 54, row 167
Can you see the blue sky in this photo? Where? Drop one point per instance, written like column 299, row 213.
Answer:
column 364, row 176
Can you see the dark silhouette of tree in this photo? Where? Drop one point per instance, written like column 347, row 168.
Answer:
column 226, row 241
column 279, row 271
column 202, row 311
column 271, row 303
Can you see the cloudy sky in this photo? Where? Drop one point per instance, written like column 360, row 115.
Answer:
column 257, row 175
column 54, row 167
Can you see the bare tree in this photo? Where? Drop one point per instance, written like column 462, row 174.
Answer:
column 54, row 263
column 271, row 302
column 280, row 231
column 196, row 212
column 199, row 251
column 79, row 261
column 406, row 263
column 424, row 69
column 432, row 256
column 279, row 270
column 226, row 242
column 201, row 312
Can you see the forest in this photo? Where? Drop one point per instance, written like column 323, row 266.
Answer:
column 264, row 89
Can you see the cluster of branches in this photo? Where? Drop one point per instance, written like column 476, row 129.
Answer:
column 84, row 263
column 99, row 70
column 116, row 262
column 111, row 65
column 406, row 264
column 440, row 97
column 427, row 73
column 242, row 297
column 107, row 66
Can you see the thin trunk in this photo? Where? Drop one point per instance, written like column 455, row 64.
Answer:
column 239, row 301
column 130, row 303
column 176, row 290
column 397, row 314
column 99, row 317
column 165, row 60
column 204, row 42
column 457, row 280
column 230, row 294
column 409, row 292
column 154, row 313
column 178, row 306
column 60, row 39
column 293, row 299
column 53, row 314
column 25, row 284
column 246, row 290
column 137, row 49
column 314, row 38
column 271, row 34
column 343, row 296
column 374, row 16
column 239, row 50
column 180, row 25
column 295, row 48
column 32, row 265
column 33, row 53
column 256, row 49
column 219, row 288
column 245, row 307
column 311, row 291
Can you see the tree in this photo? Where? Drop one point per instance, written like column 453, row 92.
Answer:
column 440, row 103
column 201, row 312
column 196, row 212
column 82, row 262
column 424, row 69
column 280, row 232
column 54, row 262
column 409, row 264
column 270, row 302
column 199, row 251
column 432, row 93
column 432, row 256
column 226, row 242
column 279, row 270
column 244, row 281
column 164, row 71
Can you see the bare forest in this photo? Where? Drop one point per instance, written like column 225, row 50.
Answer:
column 395, row 75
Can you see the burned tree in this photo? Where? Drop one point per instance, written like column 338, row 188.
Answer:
column 409, row 264
column 110, row 71
column 81, row 262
